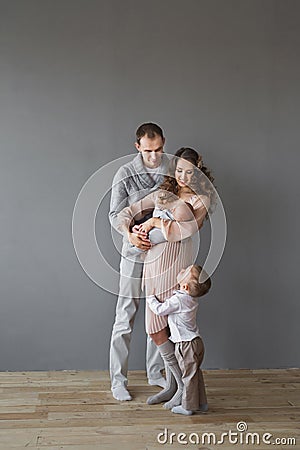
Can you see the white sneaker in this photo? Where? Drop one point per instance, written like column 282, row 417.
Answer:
column 161, row 382
column 120, row 393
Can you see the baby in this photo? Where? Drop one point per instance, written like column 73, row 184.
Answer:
column 181, row 310
column 177, row 210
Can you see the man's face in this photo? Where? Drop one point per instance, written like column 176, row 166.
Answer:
column 151, row 150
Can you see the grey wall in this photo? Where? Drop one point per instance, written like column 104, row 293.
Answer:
column 77, row 77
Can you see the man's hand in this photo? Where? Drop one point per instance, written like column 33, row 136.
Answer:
column 136, row 230
column 139, row 242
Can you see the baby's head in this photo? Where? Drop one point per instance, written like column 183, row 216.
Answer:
column 189, row 280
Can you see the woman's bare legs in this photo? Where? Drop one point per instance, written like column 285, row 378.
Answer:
column 161, row 336
column 172, row 393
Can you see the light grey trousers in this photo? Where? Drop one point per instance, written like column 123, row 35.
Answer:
column 126, row 309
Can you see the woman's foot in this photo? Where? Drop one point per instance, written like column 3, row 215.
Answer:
column 163, row 396
column 173, row 390
column 175, row 400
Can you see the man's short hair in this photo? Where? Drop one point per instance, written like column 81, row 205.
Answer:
column 150, row 130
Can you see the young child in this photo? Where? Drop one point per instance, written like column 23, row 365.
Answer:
column 175, row 209
column 181, row 309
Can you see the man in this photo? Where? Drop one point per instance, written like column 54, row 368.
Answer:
column 132, row 182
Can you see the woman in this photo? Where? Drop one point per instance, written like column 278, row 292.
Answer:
column 163, row 261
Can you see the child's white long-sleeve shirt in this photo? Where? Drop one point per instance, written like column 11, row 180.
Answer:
column 181, row 310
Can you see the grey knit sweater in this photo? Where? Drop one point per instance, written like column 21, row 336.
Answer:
column 131, row 183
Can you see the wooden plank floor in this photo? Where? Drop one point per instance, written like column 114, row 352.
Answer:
column 75, row 410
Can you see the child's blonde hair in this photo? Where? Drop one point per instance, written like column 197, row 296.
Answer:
column 196, row 287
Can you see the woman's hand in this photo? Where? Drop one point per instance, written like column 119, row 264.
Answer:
column 149, row 224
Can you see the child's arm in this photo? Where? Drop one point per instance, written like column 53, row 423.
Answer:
column 170, row 305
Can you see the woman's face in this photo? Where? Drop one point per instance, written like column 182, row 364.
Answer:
column 184, row 172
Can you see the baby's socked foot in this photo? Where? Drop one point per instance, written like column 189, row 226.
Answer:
column 180, row 410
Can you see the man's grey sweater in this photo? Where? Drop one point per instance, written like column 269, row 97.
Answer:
column 131, row 183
